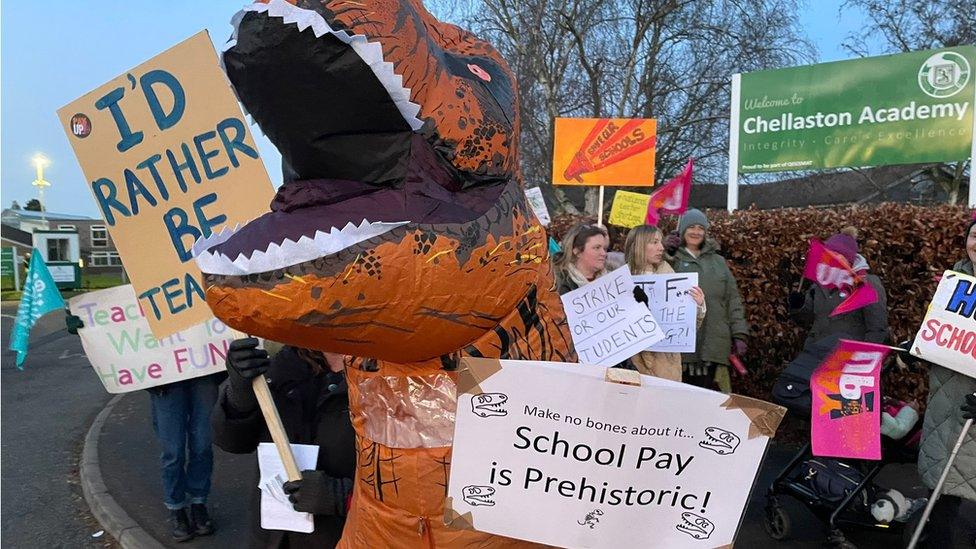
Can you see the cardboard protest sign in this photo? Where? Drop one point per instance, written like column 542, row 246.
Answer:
column 628, row 209
column 626, row 465
column 670, row 302
column 604, row 151
column 948, row 333
column 538, row 204
column 169, row 158
column 846, row 395
column 607, row 323
column 127, row 356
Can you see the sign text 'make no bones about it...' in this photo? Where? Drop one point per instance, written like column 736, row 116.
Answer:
column 169, row 159
column 608, row 324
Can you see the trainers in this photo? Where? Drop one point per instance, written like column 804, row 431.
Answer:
column 202, row 524
column 180, row 523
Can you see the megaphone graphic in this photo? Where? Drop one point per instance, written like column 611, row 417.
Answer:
column 608, row 143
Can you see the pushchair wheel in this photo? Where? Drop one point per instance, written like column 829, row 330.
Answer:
column 776, row 521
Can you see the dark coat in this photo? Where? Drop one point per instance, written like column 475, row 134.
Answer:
column 313, row 410
column 724, row 316
column 868, row 323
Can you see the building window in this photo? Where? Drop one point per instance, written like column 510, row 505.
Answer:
column 105, row 259
column 57, row 249
column 67, row 228
column 99, row 236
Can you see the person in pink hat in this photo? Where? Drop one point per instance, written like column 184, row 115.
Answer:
column 814, row 306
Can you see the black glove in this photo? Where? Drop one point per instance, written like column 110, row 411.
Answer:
column 244, row 363
column 796, row 300
column 640, row 295
column 73, row 322
column 969, row 407
column 319, row 494
column 672, row 242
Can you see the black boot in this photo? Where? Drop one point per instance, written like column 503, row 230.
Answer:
column 202, row 524
column 180, row 522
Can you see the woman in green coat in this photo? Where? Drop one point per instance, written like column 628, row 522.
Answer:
column 724, row 329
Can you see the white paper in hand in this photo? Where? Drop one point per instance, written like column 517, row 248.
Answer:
column 277, row 513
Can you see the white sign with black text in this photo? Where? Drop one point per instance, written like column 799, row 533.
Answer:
column 608, row 324
column 671, row 304
column 658, row 465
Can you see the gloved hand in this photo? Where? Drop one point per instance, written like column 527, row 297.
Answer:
column 318, row 493
column 969, row 407
column 640, row 295
column 796, row 300
column 672, row 242
column 740, row 347
column 244, row 363
column 73, row 322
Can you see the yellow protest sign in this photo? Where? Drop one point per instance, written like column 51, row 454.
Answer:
column 168, row 156
column 629, row 209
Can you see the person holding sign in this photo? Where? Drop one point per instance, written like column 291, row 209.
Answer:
column 952, row 400
column 310, row 392
column 180, row 412
column 725, row 321
column 644, row 250
column 583, row 259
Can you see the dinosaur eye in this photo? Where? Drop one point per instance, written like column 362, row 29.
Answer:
column 479, row 72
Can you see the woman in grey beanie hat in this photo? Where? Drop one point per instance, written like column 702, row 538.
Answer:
column 724, row 328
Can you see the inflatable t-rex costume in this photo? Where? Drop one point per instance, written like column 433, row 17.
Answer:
column 404, row 235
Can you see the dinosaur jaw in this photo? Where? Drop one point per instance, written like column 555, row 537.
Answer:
column 413, row 292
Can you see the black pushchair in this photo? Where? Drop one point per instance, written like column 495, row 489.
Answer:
column 838, row 492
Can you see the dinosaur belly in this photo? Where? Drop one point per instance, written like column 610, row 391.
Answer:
column 404, row 421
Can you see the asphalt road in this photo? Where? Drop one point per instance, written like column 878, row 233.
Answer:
column 47, row 409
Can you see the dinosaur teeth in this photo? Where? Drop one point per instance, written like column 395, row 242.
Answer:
column 370, row 52
column 286, row 253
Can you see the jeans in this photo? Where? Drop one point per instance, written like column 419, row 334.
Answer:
column 181, row 420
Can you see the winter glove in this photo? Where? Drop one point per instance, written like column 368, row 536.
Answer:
column 796, row 300
column 319, row 494
column 73, row 322
column 244, row 363
column 640, row 295
column 740, row 347
column 969, row 407
column 672, row 242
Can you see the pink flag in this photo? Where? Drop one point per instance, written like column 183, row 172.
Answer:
column 831, row 270
column 845, row 416
column 671, row 198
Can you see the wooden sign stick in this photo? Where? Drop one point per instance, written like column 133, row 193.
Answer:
column 278, row 434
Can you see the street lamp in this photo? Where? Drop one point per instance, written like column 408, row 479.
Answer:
column 39, row 161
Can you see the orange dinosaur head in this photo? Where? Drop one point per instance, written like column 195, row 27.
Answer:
column 401, row 232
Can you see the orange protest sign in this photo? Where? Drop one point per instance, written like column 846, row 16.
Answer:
column 604, row 151
column 167, row 154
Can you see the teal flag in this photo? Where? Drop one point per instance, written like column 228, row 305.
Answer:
column 554, row 246
column 40, row 297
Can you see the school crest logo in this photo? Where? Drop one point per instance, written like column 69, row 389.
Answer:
column 944, row 74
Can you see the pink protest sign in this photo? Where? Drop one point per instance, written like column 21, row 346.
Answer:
column 831, row 270
column 845, row 417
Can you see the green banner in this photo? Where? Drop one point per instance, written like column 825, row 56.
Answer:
column 894, row 109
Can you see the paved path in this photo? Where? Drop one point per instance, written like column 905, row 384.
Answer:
column 47, row 410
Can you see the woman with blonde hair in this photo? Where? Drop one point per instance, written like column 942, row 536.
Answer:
column 644, row 250
column 583, row 258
